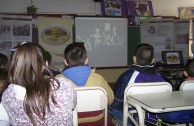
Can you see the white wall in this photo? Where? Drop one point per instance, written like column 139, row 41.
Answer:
column 49, row 6
column 161, row 7
column 170, row 7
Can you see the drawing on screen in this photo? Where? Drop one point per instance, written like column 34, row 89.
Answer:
column 108, row 36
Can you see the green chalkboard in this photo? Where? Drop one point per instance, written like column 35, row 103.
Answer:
column 133, row 41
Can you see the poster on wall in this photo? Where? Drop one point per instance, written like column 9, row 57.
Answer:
column 140, row 8
column 158, row 33
column 114, row 7
column 54, row 35
column 186, row 12
column 166, row 35
column 14, row 31
column 181, row 37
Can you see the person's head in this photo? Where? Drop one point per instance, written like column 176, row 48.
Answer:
column 3, row 61
column 28, row 61
column 75, row 55
column 192, row 49
column 189, row 68
column 144, row 54
column 4, row 81
column 47, row 56
column 29, row 70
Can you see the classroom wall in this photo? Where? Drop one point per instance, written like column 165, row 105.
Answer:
column 170, row 7
column 160, row 7
column 49, row 6
column 111, row 75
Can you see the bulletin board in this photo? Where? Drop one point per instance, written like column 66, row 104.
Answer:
column 166, row 35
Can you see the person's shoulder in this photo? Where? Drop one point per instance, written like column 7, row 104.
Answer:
column 96, row 75
column 14, row 91
column 64, row 81
column 127, row 73
column 59, row 76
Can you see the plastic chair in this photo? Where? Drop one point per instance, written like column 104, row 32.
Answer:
column 141, row 88
column 92, row 99
column 187, row 85
column 75, row 117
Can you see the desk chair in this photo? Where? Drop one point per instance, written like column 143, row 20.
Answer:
column 4, row 119
column 141, row 88
column 187, row 85
column 75, row 117
column 92, row 99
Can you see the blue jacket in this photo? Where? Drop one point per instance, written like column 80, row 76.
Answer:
column 135, row 74
column 78, row 74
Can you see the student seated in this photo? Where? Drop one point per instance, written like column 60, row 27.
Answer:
column 78, row 71
column 4, row 81
column 34, row 96
column 3, row 61
column 48, row 58
column 3, row 73
column 189, row 69
column 142, row 70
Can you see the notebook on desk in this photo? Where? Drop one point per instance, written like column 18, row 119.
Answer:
column 173, row 59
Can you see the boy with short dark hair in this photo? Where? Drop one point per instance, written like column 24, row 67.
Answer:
column 142, row 70
column 189, row 69
column 77, row 70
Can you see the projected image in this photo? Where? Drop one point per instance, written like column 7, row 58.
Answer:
column 105, row 40
column 106, row 36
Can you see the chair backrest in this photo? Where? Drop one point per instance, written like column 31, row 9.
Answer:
column 75, row 117
column 187, row 85
column 4, row 119
column 151, row 87
column 142, row 88
column 92, row 99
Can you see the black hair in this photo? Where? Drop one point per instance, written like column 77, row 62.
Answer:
column 144, row 53
column 189, row 67
column 3, row 61
column 75, row 54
